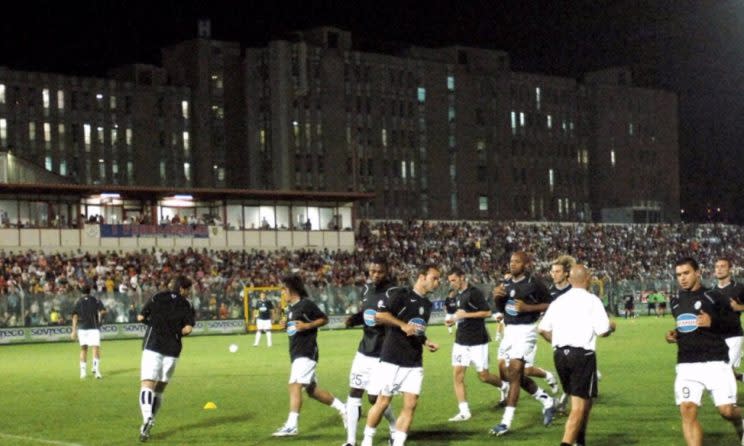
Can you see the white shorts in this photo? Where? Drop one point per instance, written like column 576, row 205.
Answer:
column 90, row 337
column 303, row 371
column 390, row 379
column 520, row 342
column 695, row 377
column 734, row 345
column 449, row 316
column 263, row 324
column 361, row 370
column 464, row 355
column 157, row 367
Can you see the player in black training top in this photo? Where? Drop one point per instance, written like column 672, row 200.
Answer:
column 406, row 314
column 168, row 316
column 86, row 324
column 303, row 320
column 702, row 354
column 450, row 307
column 732, row 292
column 521, row 300
column 471, row 340
column 264, row 315
column 368, row 353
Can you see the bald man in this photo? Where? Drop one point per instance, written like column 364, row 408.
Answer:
column 571, row 324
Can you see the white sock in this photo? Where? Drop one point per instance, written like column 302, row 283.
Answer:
column 543, row 397
column 146, row 399
column 157, row 403
column 258, row 337
column 96, row 362
column 82, row 367
column 399, row 438
column 292, row 419
column 369, row 435
column 464, row 408
column 390, row 417
column 338, row 405
column 353, row 407
column 508, row 416
column 268, row 338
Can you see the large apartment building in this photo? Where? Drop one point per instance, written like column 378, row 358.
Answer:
column 447, row 133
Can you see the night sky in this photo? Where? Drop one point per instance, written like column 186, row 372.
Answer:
column 694, row 48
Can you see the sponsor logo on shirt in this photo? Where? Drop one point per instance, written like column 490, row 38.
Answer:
column 686, row 323
column 419, row 324
column 511, row 307
column 369, row 317
column 291, row 328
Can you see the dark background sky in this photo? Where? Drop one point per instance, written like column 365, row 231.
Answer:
column 695, row 48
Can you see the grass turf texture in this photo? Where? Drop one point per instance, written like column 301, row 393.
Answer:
column 44, row 398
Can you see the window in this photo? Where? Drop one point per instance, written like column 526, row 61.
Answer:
column 86, row 136
column 421, row 95
column 551, row 179
column 537, row 98
column 63, row 167
column 514, row 122
column 612, row 157
column 47, row 133
column 60, row 100
column 48, row 165
column 451, row 113
column 45, row 99
column 99, row 135
column 186, row 141
column 128, row 137
column 550, row 122
column 61, row 136
column 162, row 172
column 31, row 131
column 187, row 171
column 482, row 203
column 630, row 129
column 450, row 83
column 403, row 169
column 2, row 93
column 185, row 109
column 522, row 119
column 114, row 136
column 130, row 171
column 3, row 132
column 413, row 169
column 384, row 137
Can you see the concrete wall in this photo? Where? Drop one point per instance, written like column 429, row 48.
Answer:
column 89, row 239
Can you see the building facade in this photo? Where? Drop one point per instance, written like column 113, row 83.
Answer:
column 448, row 133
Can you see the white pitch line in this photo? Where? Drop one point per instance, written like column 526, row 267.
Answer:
column 38, row 440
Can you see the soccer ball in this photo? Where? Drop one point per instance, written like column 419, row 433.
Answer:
column 233, row 348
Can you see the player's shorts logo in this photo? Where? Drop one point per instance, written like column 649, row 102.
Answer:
column 419, row 324
column 686, row 323
column 511, row 307
column 291, row 328
column 369, row 317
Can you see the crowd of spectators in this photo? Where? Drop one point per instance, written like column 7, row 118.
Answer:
column 38, row 288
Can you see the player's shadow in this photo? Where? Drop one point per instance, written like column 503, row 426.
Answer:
column 116, row 372
column 209, row 422
column 615, row 439
column 427, row 436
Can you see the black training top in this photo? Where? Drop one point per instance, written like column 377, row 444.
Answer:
column 408, row 306
column 472, row 331
column 166, row 313
column 264, row 307
column 556, row 292
column 88, row 309
column 531, row 291
column 731, row 324
column 450, row 304
column 373, row 298
column 698, row 344
column 303, row 344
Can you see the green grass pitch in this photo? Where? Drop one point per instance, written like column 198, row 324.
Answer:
column 45, row 402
